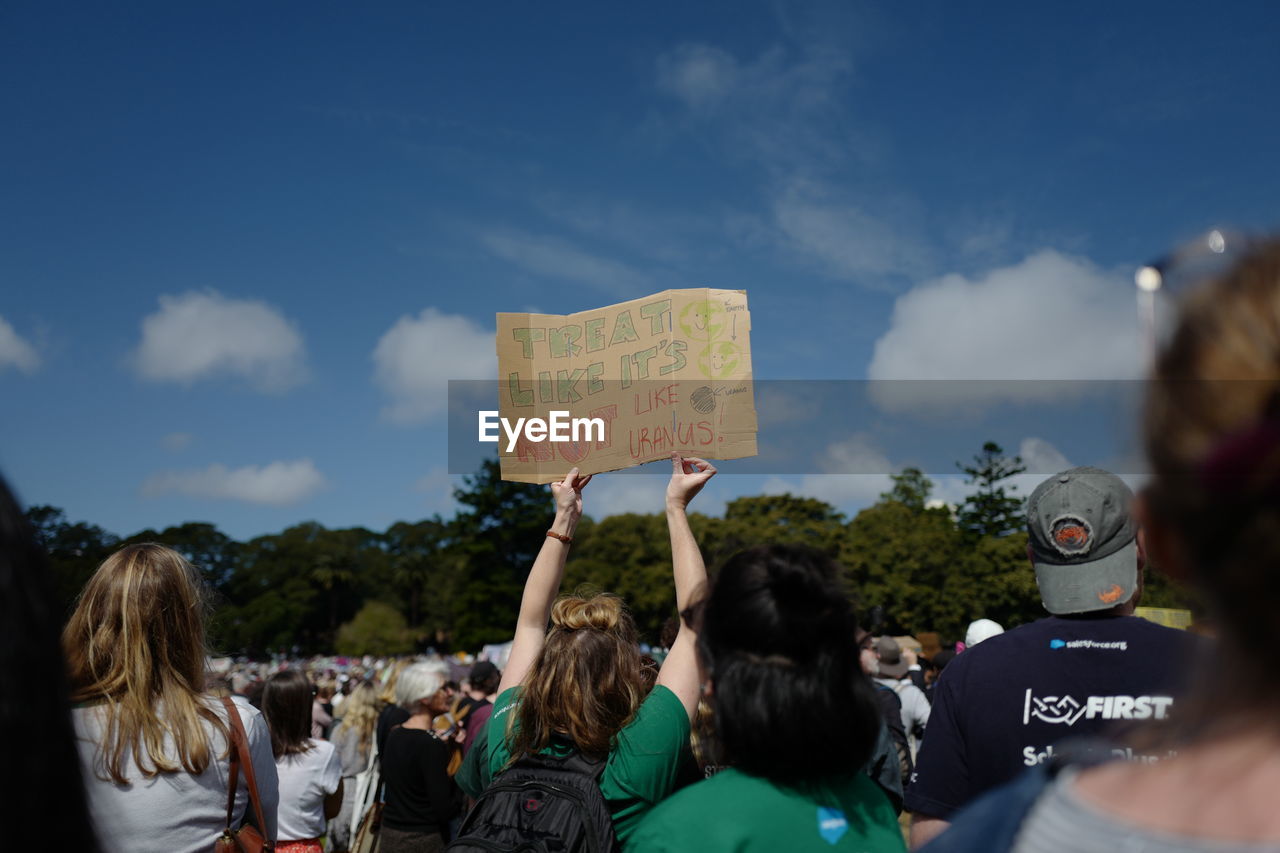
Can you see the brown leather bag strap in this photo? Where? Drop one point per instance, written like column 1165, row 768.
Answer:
column 241, row 741
column 233, row 777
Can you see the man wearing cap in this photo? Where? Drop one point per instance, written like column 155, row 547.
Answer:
column 1001, row 706
column 890, row 673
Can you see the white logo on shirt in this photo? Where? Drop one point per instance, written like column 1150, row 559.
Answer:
column 1065, row 709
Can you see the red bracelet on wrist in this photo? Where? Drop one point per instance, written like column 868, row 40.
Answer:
column 551, row 534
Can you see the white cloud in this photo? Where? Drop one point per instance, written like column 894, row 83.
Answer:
column 1050, row 317
column 554, row 258
column 176, row 441
column 16, row 351
column 415, row 359
column 278, row 483
column 858, row 474
column 1041, row 457
column 201, row 335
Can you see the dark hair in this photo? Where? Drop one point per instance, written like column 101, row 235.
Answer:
column 489, row 682
column 286, row 705
column 33, row 701
column 778, row 638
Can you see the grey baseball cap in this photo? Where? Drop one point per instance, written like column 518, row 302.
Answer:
column 1083, row 541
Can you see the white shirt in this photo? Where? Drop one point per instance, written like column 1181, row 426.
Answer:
column 172, row 812
column 915, row 707
column 305, row 779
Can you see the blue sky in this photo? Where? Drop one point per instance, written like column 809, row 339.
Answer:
column 244, row 246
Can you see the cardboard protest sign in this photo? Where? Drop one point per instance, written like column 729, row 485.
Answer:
column 668, row 372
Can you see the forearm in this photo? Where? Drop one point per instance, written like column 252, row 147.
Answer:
column 925, row 828
column 686, row 559
column 544, row 577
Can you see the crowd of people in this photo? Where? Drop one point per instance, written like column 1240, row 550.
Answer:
column 773, row 722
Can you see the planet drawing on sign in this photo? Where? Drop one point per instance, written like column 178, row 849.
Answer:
column 703, row 400
column 719, row 360
column 702, row 320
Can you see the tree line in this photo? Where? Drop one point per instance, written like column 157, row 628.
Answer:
column 455, row 584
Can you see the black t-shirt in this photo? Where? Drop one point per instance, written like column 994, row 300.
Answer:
column 419, row 792
column 999, row 707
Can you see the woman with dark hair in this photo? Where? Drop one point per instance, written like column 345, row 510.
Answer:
column 155, row 746
column 43, row 760
column 1211, row 517
column 796, row 719
column 580, row 688
column 309, row 771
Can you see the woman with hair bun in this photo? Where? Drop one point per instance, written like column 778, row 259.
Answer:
column 580, row 686
column 154, row 744
column 795, row 718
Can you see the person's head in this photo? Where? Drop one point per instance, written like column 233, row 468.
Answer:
column 33, row 700
column 286, row 705
column 1212, row 436
column 360, row 711
column 484, row 678
column 325, row 688
column 586, row 684
column 979, row 630
column 779, row 642
column 136, row 643
column 889, row 657
column 390, row 678
column 421, row 689
column 1083, row 541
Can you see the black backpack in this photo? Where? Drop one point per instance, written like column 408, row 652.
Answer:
column 541, row 804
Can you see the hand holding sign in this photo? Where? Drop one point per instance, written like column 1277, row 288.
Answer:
column 688, row 475
column 568, row 494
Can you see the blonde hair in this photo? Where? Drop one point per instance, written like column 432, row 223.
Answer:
column 391, row 675
column 360, row 713
column 586, row 684
column 136, row 644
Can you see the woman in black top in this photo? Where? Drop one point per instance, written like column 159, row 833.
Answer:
column 420, row 796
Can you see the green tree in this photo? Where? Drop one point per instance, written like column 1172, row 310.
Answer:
column 494, row 540
column 991, row 510
column 377, row 629
column 911, row 488
column 75, row 550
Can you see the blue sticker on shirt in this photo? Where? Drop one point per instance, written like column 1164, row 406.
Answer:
column 1057, row 644
column 831, row 824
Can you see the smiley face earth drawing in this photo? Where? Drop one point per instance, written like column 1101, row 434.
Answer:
column 702, row 320
column 719, row 360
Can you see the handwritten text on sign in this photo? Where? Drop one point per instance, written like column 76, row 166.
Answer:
column 668, row 372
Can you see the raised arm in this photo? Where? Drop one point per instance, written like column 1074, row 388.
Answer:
column 544, row 581
column 679, row 671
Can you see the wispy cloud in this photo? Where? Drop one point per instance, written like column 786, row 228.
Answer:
column 200, row 335
column 415, row 359
column 278, row 483
column 846, row 240
column 16, row 351
column 555, row 258
column 177, row 441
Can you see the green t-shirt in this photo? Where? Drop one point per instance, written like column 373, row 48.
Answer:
column 642, row 767
column 734, row 811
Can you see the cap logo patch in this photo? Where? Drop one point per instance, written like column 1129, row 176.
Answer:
column 1071, row 535
column 1112, row 595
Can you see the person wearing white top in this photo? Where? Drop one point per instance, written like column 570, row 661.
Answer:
column 309, row 770
column 154, row 747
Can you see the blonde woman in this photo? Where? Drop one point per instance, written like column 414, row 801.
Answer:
column 353, row 739
column 154, row 745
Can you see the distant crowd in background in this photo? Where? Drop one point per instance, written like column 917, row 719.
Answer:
column 769, row 719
